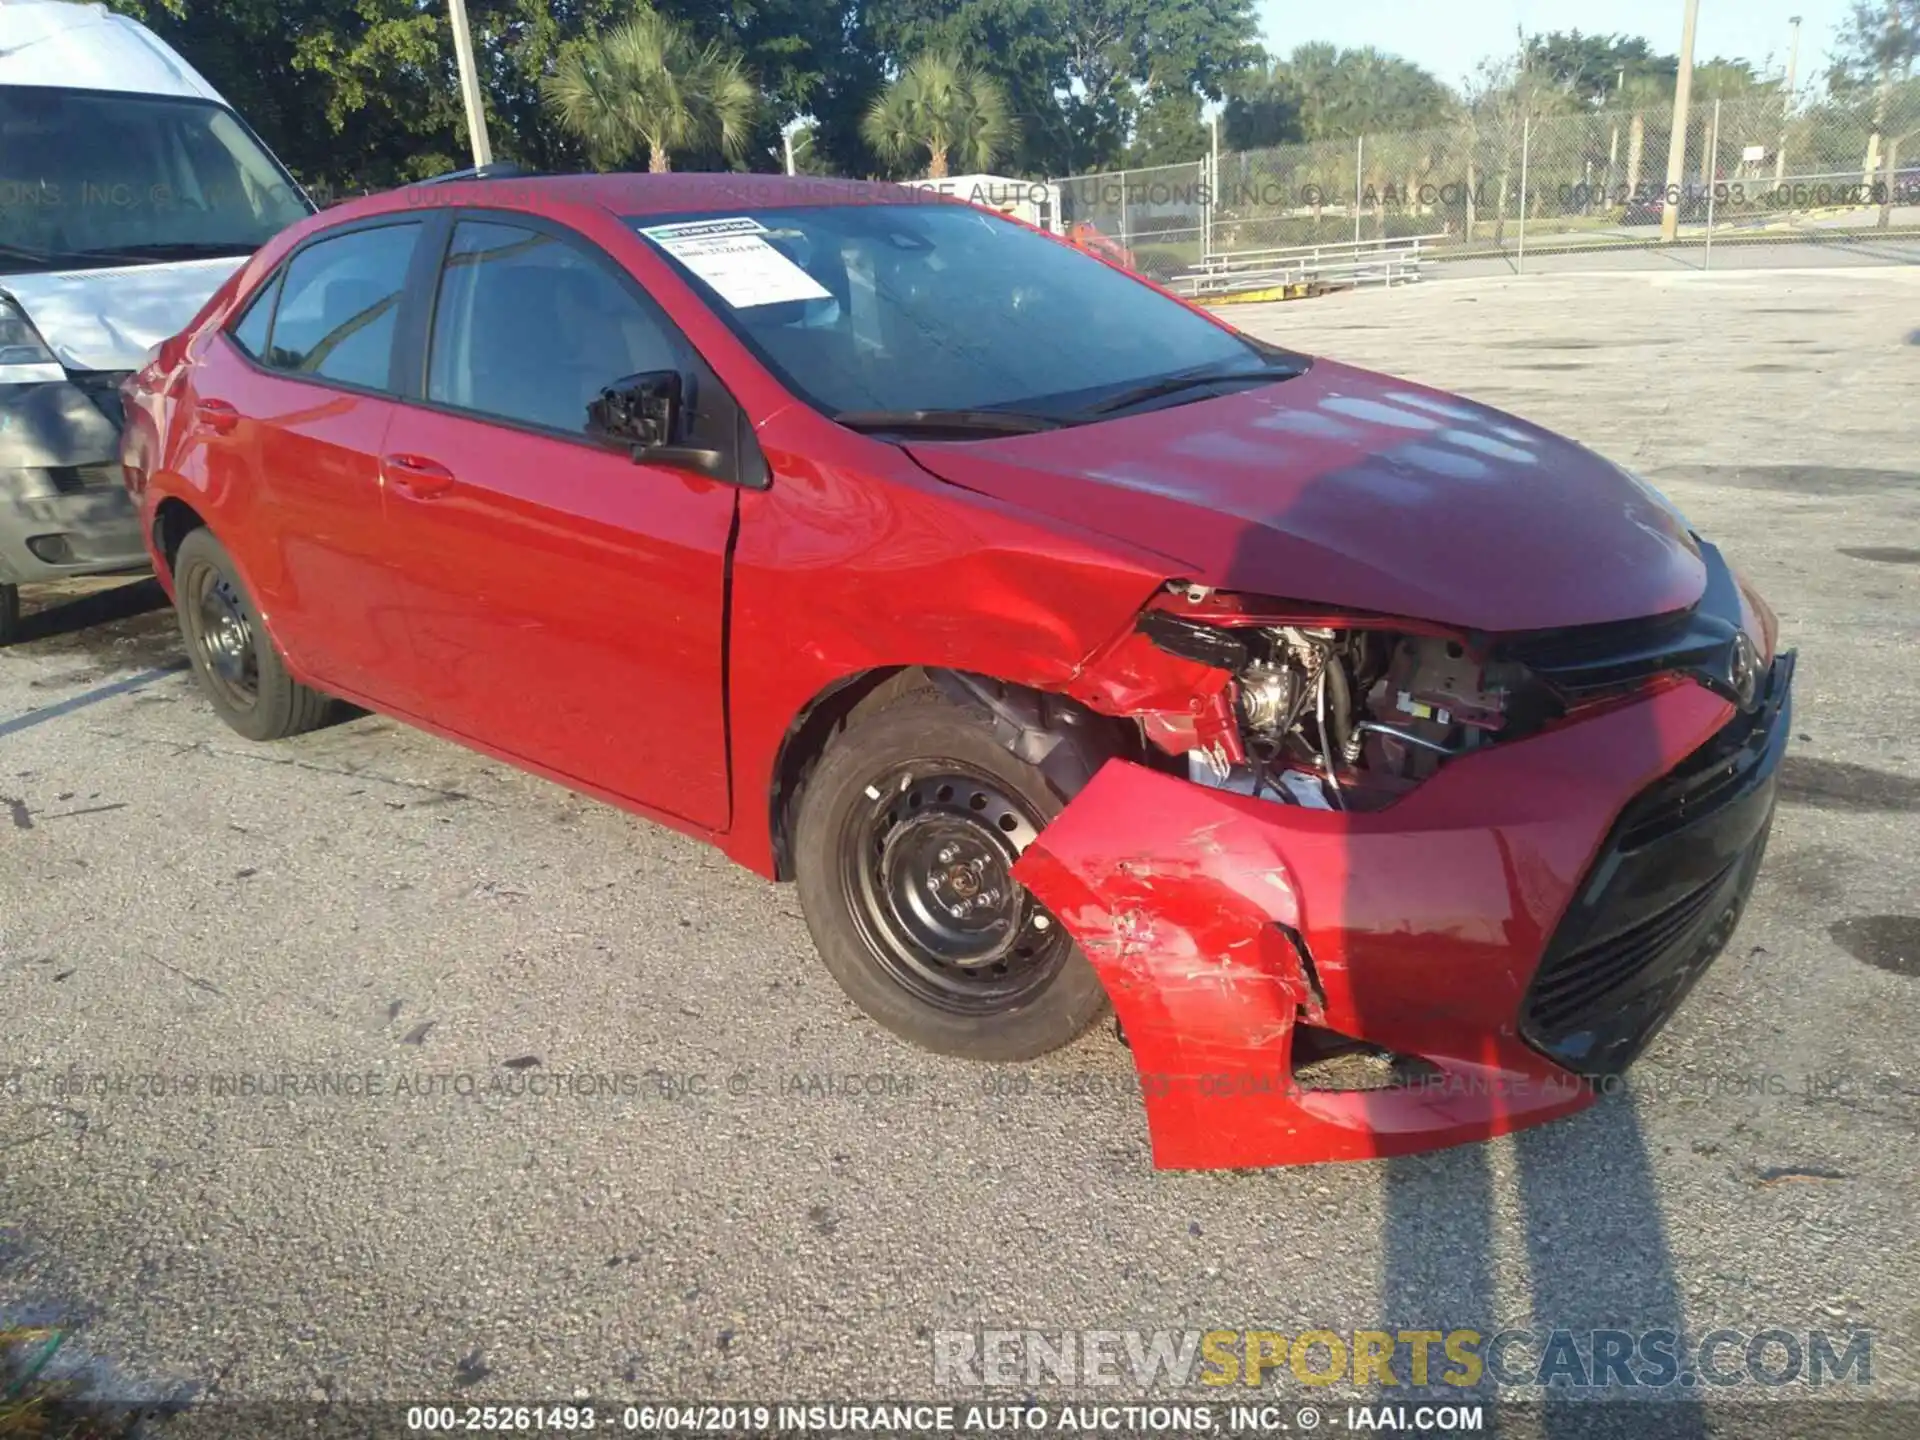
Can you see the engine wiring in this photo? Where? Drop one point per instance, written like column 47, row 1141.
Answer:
column 1355, row 714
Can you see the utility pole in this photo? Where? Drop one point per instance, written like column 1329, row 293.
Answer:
column 1677, row 144
column 469, row 84
column 1786, row 104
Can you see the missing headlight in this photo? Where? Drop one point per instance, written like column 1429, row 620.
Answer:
column 1339, row 716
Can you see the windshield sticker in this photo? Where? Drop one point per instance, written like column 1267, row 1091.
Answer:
column 733, row 225
column 734, row 257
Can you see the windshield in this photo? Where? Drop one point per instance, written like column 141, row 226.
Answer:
column 937, row 307
column 96, row 178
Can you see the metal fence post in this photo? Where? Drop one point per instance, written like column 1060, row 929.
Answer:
column 1526, row 144
column 1713, row 179
column 1123, row 209
column 1211, row 201
column 1359, row 160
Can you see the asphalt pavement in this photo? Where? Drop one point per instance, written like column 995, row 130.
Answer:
column 728, row 1183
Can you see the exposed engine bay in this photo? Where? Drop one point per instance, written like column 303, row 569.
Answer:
column 1345, row 717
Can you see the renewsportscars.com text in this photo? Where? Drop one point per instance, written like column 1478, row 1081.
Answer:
column 1507, row 1359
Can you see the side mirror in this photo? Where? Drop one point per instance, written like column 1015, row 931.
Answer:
column 642, row 414
column 638, row 412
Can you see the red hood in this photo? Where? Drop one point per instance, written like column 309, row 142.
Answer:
column 1359, row 491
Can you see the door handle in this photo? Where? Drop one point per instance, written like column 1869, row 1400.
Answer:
column 217, row 415
column 416, row 476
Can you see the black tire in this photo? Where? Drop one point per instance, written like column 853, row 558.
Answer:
column 9, row 613
column 915, row 795
column 232, row 654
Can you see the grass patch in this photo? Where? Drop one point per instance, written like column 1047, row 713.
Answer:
column 33, row 1407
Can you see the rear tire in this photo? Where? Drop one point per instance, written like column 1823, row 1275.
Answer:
column 9, row 613
column 902, row 842
column 232, row 654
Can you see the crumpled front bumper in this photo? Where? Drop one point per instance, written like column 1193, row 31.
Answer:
column 64, row 508
column 1220, row 924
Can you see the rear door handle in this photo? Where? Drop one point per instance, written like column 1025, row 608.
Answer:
column 416, row 476
column 217, row 415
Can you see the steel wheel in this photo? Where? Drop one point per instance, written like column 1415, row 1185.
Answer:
column 925, row 867
column 223, row 635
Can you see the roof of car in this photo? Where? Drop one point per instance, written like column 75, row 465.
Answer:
column 679, row 193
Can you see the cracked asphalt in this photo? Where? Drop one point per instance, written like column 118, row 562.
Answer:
column 601, row 1124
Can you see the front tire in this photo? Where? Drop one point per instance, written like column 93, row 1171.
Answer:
column 232, row 654
column 9, row 613
column 905, row 834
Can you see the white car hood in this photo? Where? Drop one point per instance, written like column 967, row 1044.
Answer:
column 109, row 319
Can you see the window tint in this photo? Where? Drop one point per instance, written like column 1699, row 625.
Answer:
column 338, row 304
column 91, row 178
column 528, row 328
column 251, row 333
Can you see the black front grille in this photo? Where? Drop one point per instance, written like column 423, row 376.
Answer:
column 78, row 479
column 1588, row 662
column 1662, row 898
column 1586, row 1002
column 1714, row 775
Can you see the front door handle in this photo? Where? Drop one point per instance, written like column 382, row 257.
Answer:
column 416, row 476
column 217, row 415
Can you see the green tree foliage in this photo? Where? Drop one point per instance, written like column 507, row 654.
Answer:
column 1170, row 130
column 1878, row 46
column 1729, row 80
column 1592, row 67
column 940, row 112
column 1322, row 92
column 356, row 94
column 648, row 84
column 361, row 94
column 1875, row 80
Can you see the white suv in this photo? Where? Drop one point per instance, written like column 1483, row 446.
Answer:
column 128, row 191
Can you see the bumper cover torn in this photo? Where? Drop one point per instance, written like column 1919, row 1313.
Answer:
column 1221, row 924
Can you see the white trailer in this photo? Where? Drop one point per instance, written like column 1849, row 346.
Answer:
column 1033, row 201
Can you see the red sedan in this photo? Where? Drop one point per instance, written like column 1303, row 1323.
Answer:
column 1391, row 766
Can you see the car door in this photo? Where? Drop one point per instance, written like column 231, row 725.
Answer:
column 566, row 604
column 292, row 405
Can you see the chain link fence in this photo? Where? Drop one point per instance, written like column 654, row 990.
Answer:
column 1497, row 182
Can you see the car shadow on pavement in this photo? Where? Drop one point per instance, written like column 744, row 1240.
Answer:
column 1590, row 1232
column 51, row 613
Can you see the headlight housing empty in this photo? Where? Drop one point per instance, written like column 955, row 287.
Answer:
column 24, row 356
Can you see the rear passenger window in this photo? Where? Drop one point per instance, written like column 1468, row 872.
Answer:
column 338, row 303
column 527, row 328
column 251, row 333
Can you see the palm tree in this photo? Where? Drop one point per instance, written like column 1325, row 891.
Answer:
column 1640, row 92
column 942, row 108
column 649, row 82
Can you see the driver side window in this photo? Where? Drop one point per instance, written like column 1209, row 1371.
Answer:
column 528, row 329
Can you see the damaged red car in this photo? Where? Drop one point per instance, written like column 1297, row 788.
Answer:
column 1391, row 766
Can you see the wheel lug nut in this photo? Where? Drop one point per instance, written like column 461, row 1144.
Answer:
column 946, row 855
column 1041, row 922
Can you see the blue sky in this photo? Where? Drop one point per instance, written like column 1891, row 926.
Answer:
column 1450, row 37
